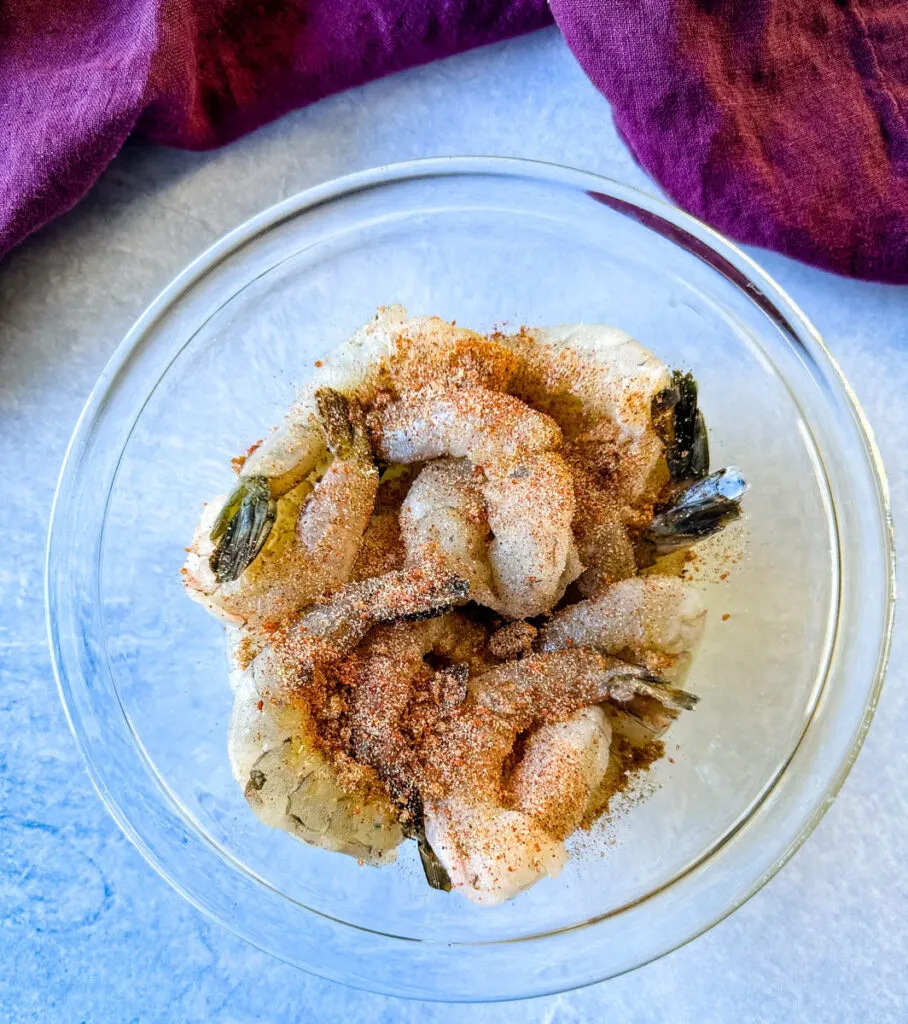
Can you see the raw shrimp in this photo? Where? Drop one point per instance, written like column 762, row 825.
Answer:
column 391, row 348
column 381, row 550
column 654, row 620
column 527, row 487
column 490, row 851
column 562, row 765
column 553, row 684
column 383, row 675
column 264, row 557
column 291, row 785
column 429, row 352
column 484, row 426
column 603, row 543
column 533, row 557
column 600, row 385
column 327, row 632
column 444, row 519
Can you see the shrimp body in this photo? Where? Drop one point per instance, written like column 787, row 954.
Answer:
column 603, row 543
column 562, row 765
column 247, row 570
column 383, row 674
column 381, row 550
column 325, row 633
column 526, row 485
column 291, row 785
column 656, row 620
column 492, row 851
column 484, row 426
column 444, row 519
column 532, row 555
column 600, row 383
column 428, row 350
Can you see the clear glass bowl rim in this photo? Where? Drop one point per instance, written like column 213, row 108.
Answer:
column 757, row 282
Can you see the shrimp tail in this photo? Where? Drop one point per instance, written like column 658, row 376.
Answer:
column 337, row 416
column 678, row 419
column 667, row 695
column 701, row 510
column 242, row 527
column 433, row 868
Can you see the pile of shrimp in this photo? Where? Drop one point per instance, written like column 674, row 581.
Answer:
column 442, row 574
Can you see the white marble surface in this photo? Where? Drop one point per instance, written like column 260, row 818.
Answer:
column 88, row 932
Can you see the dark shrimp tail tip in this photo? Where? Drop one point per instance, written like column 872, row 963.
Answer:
column 335, row 415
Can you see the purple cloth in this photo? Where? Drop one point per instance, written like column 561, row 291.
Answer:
column 78, row 76
column 780, row 122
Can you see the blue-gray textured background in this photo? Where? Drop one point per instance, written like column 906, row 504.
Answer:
column 88, row 932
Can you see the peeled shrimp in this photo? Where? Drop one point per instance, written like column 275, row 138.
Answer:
column 443, row 519
column 265, row 557
column 429, row 351
column 490, row 851
column 604, row 546
column 383, row 673
column 410, row 351
column 484, row 426
column 656, row 620
column 325, row 633
column 526, row 486
column 600, row 384
column 292, row 451
column 290, row 785
column 381, row 550
column 533, row 557
column 562, row 765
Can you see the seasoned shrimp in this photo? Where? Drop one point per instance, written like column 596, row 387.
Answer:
column 327, row 632
column 490, row 851
column 264, row 558
column 603, row 543
column 391, row 347
column 484, row 426
column 428, row 350
column 553, row 684
column 562, row 765
column 600, row 385
column 381, row 550
column 655, row 620
column 443, row 519
column 533, row 556
column 384, row 673
column 291, row 785
column 527, row 487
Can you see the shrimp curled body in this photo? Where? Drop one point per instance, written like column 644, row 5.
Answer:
column 526, row 486
column 492, row 851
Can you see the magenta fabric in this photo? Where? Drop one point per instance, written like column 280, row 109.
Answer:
column 78, row 76
column 780, row 122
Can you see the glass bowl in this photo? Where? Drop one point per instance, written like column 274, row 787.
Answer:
column 791, row 664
